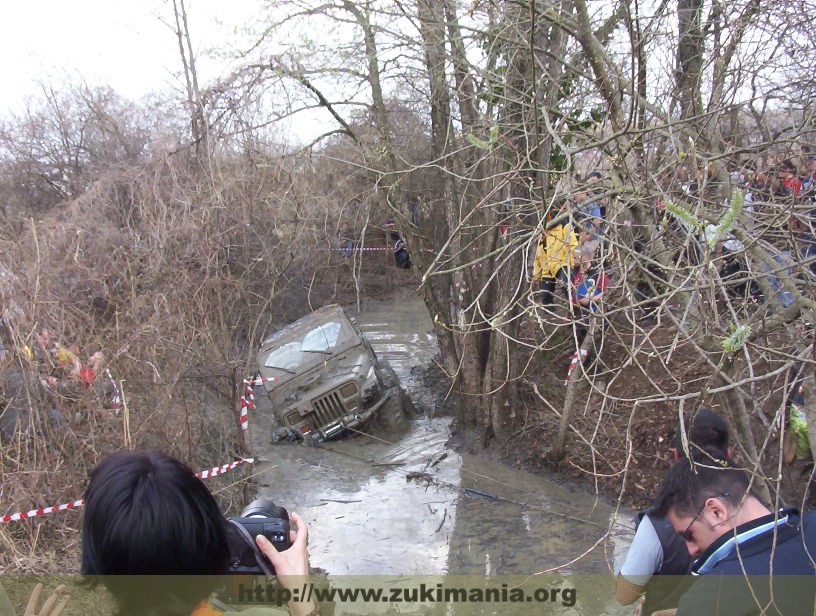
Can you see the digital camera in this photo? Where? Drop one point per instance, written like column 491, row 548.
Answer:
column 260, row 517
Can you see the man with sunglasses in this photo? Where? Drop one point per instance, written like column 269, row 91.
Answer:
column 658, row 559
column 731, row 533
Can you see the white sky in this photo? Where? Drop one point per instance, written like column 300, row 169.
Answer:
column 120, row 43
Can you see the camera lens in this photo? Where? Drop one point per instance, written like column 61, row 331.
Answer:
column 264, row 508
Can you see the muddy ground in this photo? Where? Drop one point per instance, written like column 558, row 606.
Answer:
column 632, row 451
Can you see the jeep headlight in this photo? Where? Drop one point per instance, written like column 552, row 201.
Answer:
column 370, row 385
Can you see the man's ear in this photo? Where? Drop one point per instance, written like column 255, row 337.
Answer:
column 717, row 509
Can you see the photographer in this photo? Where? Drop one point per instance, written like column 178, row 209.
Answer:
column 148, row 515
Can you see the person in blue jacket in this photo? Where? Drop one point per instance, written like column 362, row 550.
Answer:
column 749, row 559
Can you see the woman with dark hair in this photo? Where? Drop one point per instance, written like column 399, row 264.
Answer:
column 147, row 515
column 658, row 559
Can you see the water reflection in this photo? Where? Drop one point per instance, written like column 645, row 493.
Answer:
column 365, row 515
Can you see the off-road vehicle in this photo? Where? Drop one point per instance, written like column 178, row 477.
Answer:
column 323, row 377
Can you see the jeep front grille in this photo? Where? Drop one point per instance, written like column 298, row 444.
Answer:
column 328, row 408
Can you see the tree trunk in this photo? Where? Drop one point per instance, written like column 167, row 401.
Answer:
column 198, row 124
column 465, row 359
column 735, row 407
column 558, row 448
column 690, row 48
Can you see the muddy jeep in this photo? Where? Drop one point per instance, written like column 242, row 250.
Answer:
column 323, row 377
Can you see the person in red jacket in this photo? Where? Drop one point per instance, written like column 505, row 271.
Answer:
column 788, row 177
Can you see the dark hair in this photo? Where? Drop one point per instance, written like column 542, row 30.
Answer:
column 147, row 514
column 689, row 484
column 707, row 435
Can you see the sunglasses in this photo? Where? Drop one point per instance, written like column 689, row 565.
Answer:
column 686, row 534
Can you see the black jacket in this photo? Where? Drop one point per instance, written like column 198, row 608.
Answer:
column 668, row 583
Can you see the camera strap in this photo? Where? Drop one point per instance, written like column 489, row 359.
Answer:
column 262, row 562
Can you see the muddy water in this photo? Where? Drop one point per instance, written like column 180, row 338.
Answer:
column 406, row 503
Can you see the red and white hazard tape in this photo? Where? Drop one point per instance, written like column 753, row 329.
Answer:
column 23, row 515
column 248, row 399
column 117, row 397
column 259, row 380
column 573, row 362
column 376, row 249
column 247, row 402
column 205, row 474
column 219, row 470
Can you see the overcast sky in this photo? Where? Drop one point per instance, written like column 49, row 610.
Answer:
column 123, row 44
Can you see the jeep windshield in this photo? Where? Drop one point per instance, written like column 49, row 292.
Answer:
column 294, row 353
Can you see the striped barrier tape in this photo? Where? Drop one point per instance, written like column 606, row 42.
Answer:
column 573, row 361
column 220, row 470
column 260, row 380
column 375, row 249
column 205, row 474
column 24, row 515
column 248, row 399
column 117, row 397
column 247, row 402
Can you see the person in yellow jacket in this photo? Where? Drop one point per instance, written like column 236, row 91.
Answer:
column 556, row 253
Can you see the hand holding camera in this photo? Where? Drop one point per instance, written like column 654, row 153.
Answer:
column 294, row 560
column 262, row 543
column 292, row 565
column 147, row 496
column 262, row 518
